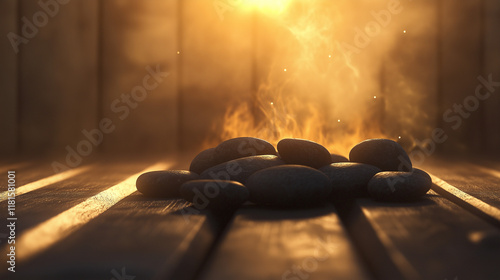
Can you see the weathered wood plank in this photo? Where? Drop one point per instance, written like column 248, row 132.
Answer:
column 139, row 38
column 434, row 238
column 138, row 237
column 50, row 221
column 57, row 197
column 58, row 81
column 481, row 182
column 8, row 78
column 282, row 244
column 215, row 66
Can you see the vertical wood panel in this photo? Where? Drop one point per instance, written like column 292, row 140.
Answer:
column 461, row 65
column 8, row 78
column 492, row 65
column 58, row 87
column 216, row 65
column 411, row 73
column 139, row 34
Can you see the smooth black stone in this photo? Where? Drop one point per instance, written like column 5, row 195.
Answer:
column 289, row 186
column 382, row 153
column 203, row 161
column 399, row 186
column 349, row 179
column 303, row 152
column 339, row 158
column 214, row 194
column 164, row 184
column 242, row 147
column 240, row 169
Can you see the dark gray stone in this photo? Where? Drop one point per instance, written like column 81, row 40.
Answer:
column 203, row 161
column 164, row 184
column 303, row 152
column 240, row 169
column 382, row 153
column 338, row 158
column 289, row 186
column 399, row 186
column 349, row 179
column 242, row 147
column 214, row 194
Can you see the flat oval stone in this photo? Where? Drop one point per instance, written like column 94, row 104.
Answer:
column 240, row 169
column 399, row 186
column 242, row 147
column 214, row 194
column 338, row 158
column 349, row 179
column 382, row 153
column 289, row 186
column 164, row 184
column 203, row 161
column 303, row 152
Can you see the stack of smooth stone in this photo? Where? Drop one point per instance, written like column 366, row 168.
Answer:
column 301, row 173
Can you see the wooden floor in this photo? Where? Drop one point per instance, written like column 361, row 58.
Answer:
column 91, row 223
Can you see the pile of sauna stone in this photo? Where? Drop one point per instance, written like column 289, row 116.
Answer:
column 301, row 173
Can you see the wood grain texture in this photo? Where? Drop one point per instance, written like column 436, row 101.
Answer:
column 479, row 181
column 435, row 239
column 58, row 82
column 8, row 78
column 216, row 67
column 145, row 237
column 283, row 244
column 139, row 35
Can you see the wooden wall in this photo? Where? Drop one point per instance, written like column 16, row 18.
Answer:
column 8, row 79
column 92, row 52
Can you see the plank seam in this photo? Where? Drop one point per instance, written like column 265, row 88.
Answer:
column 56, row 178
column 466, row 201
column 41, row 237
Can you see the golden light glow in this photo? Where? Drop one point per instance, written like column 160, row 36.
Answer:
column 322, row 99
column 45, row 182
column 273, row 6
column 41, row 237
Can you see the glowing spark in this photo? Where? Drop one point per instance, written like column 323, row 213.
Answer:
column 272, row 103
column 404, row 31
column 178, row 52
column 284, row 69
column 338, row 120
column 329, row 56
column 399, row 137
column 375, row 97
